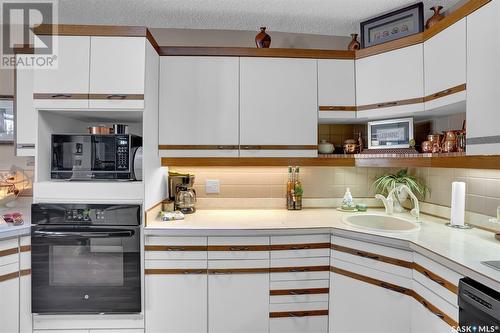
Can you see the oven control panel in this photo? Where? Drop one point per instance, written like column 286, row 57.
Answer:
column 84, row 215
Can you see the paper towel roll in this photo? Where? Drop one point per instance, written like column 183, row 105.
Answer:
column 458, row 203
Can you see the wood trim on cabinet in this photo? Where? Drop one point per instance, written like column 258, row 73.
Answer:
column 176, row 271
column 435, row 278
column 390, row 46
column 337, row 108
column 434, row 310
column 90, row 30
column 390, row 104
column 60, row 96
column 296, row 314
column 251, row 161
column 198, row 147
column 9, row 276
column 222, row 271
column 6, row 97
column 373, row 256
column 236, row 248
column 255, row 52
column 278, row 147
column 117, row 97
column 299, row 269
column 24, row 272
column 175, row 248
column 297, row 292
column 25, row 248
column 9, row 252
column 152, row 41
column 447, row 92
column 303, row 246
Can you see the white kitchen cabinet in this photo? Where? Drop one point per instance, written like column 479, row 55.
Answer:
column 6, row 82
column 360, row 307
column 117, row 72
column 25, row 316
column 278, row 107
column 299, row 318
column 9, row 300
column 336, row 90
column 390, row 84
column 177, row 302
column 238, row 302
column 424, row 321
column 445, row 67
column 25, row 124
column 483, row 80
column 199, row 104
column 66, row 85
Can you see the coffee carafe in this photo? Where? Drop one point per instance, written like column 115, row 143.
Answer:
column 181, row 191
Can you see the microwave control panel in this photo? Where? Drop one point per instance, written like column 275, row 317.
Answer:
column 122, row 153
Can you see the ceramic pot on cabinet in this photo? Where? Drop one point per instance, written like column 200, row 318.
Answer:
column 325, row 147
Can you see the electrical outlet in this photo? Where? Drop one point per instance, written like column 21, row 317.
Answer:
column 212, row 186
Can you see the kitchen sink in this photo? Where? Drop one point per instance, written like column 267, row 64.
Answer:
column 377, row 222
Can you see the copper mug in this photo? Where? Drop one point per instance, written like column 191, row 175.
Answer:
column 449, row 146
column 427, row 146
column 434, row 138
column 450, row 136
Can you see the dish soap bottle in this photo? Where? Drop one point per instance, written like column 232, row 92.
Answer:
column 347, row 201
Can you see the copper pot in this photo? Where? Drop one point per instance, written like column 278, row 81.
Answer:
column 434, row 138
column 427, row 146
column 449, row 146
column 450, row 136
column 350, row 147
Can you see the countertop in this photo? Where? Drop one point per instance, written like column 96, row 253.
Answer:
column 7, row 230
column 460, row 250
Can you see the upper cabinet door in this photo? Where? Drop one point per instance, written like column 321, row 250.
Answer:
column 336, row 89
column 278, row 107
column 445, row 66
column 6, row 82
column 117, row 72
column 26, row 122
column 483, row 80
column 199, row 103
column 390, row 83
column 67, row 84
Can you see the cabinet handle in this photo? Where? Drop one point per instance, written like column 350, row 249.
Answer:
column 438, row 314
column 116, row 96
column 251, row 147
column 176, row 249
column 239, row 248
column 303, row 292
column 227, row 147
column 387, row 104
column 440, row 282
column 303, row 314
column 305, row 247
column 443, row 93
column 299, row 270
column 393, row 288
column 193, row 272
column 222, row 272
column 366, row 255
column 61, row 96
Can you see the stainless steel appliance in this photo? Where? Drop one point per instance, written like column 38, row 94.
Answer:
column 181, row 191
column 391, row 133
column 94, row 157
column 479, row 307
column 85, row 258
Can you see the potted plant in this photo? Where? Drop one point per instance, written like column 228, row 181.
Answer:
column 386, row 183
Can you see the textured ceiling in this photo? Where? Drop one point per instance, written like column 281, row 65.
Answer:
column 327, row 17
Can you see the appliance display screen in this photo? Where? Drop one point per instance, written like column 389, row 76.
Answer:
column 390, row 134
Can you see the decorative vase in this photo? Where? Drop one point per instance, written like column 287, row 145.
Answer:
column 325, row 147
column 400, row 197
column 354, row 44
column 438, row 16
column 262, row 40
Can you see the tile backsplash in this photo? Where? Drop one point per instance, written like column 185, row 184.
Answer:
column 483, row 186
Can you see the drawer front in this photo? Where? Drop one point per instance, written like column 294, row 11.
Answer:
column 441, row 306
column 179, row 248
column 300, row 246
column 300, row 269
column 238, row 248
column 299, row 291
column 9, row 272
column 384, row 251
column 175, row 267
column 275, row 309
column 305, row 324
column 221, row 267
column 9, row 251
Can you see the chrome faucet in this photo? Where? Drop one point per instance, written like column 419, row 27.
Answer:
column 389, row 201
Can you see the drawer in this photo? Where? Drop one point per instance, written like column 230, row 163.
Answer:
column 9, row 251
column 216, row 267
column 299, row 291
column 175, row 267
column 118, row 331
column 443, row 306
column 300, row 269
column 295, row 307
column 160, row 248
column 9, row 272
column 299, row 324
column 300, row 246
column 241, row 248
column 441, row 280
column 369, row 248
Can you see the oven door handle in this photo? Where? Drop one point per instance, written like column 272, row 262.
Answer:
column 84, row 234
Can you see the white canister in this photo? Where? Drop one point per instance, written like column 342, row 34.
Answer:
column 325, row 147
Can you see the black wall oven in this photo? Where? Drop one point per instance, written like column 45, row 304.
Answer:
column 85, row 258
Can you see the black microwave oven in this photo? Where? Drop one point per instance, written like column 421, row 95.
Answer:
column 96, row 157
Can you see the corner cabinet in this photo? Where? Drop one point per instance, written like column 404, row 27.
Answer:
column 483, row 80
column 199, row 98
column 278, row 107
column 391, row 83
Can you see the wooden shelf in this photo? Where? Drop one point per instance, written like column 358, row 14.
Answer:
column 424, row 161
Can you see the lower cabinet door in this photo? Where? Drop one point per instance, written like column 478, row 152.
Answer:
column 360, row 307
column 176, row 302
column 238, row 303
column 424, row 321
column 9, row 298
column 312, row 324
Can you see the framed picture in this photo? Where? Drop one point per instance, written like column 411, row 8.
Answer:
column 400, row 23
column 391, row 133
column 6, row 121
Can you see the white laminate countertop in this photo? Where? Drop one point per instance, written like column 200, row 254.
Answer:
column 460, row 250
column 7, row 230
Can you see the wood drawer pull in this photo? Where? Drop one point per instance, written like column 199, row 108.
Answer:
column 221, row 272
column 303, row 247
column 251, row 147
column 227, row 147
column 295, row 314
column 239, row 248
column 366, row 255
column 440, row 282
column 61, row 96
column 302, row 292
column 382, row 105
column 299, row 270
column 176, row 249
column 393, row 288
column 116, row 96
column 187, row 272
column 443, row 93
column 438, row 314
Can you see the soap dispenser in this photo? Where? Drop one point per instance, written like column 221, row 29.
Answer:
column 347, row 201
